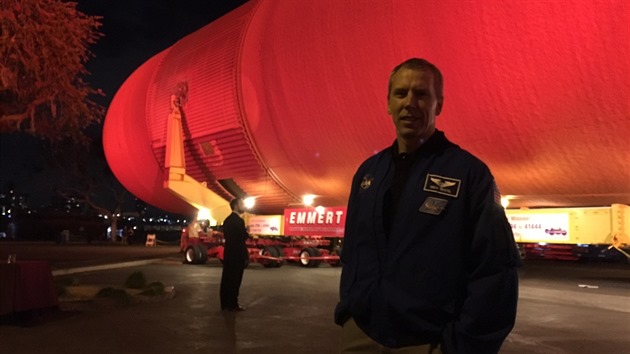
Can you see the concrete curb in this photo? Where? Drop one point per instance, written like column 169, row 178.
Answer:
column 58, row 272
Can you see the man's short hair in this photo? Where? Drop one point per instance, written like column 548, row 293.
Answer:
column 420, row 64
column 234, row 203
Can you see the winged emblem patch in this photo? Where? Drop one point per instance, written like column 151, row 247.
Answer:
column 442, row 185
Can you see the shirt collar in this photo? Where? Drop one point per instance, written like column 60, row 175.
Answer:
column 431, row 144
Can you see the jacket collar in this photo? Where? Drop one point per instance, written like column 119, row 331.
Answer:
column 435, row 142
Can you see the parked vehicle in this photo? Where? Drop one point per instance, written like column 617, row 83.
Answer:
column 573, row 233
column 272, row 244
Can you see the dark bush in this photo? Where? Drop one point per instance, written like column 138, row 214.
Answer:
column 120, row 295
column 153, row 289
column 136, row 280
column 62, row 283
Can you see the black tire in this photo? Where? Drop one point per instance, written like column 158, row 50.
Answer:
column 271, row 251
column 335, row 252
column 203, row 254
column 190, row 255
column 316, row 253
column 197, row 251
column 267, row 251
column 304, row 262
column 309, row 252
column 280, row 250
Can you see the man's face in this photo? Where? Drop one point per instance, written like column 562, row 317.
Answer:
column 413, row 104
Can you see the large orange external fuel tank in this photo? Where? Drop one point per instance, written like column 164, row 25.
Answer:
column 286, row 98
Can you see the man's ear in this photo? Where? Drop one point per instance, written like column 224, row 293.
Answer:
column 438, row 108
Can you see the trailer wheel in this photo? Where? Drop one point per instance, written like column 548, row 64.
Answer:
column 280, row 250
column 305, row 261
column 316, row 253
column 280, row 254
column 268, row 251
column 335, row 252
column 190, row 256
column 202, row 255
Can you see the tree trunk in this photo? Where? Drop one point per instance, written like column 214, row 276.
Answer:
column 114, row 228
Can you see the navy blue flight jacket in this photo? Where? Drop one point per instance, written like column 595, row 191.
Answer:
column 446, row 271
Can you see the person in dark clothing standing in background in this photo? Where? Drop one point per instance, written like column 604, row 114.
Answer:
column 429, row 259
column 235, row 257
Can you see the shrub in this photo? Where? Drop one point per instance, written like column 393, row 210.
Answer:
column 120, row 295
column 136, row 280
column 153, row 289
column 62, row 283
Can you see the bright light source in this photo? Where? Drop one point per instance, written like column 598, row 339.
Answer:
column 308, row 199
column 204, row 214
column 320, row 209
column 505, row 202
column 249, row 202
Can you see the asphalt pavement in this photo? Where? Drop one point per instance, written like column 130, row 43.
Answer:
column 563, row 308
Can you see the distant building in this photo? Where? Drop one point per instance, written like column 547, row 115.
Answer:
column 11, row 202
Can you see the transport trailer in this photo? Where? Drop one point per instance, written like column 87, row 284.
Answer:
column 276, row 239
column 305, row 235
column 593, row 233
column 311, row 251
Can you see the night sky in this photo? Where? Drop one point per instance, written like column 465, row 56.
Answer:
column 135, row 30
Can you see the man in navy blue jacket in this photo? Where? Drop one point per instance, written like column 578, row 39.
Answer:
column 429, row 259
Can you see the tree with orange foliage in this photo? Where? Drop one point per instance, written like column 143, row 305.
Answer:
column 43, row 50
